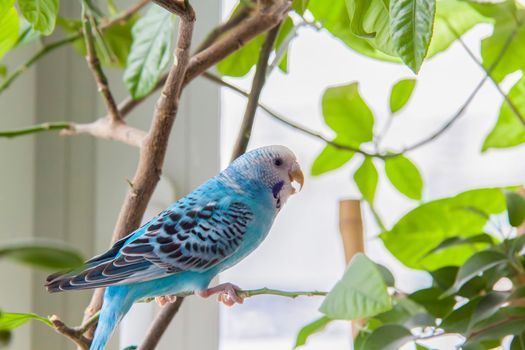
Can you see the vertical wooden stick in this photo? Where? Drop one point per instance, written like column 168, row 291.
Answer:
column 351, row 229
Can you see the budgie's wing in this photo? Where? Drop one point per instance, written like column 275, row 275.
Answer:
column 187, row 237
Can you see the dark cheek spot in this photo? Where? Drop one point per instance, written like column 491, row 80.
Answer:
column 277, row 188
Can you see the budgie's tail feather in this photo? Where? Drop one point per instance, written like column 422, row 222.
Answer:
column 116, row 304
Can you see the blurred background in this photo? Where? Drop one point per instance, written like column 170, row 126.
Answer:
column 72, row 188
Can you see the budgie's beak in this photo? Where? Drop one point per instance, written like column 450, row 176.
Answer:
column 296, row 175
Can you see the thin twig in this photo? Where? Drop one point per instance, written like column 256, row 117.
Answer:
column 71, row 333
column 35, row 129
column 96, row 68
column 511, row 104
column 469, row 99
column 253, row 99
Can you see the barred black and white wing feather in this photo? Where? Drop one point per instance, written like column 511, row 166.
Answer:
column 185, row 237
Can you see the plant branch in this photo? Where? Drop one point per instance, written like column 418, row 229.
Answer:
column 512, row 106
column 106, row 129
column 161, row 323
column 469, row 99
column 96, row 68
column 35, row 129
column 253, row 99
column 154, row 146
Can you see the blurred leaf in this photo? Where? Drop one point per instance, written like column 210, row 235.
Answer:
column 150, row 51
column 488, row 305
column 41, row 14
column 452, row 17
column 42, row 255
column 444, row 277
column 311, row 328
column 372, row 23
column 299, row 6
column 404, row 312
column 333, row 15
column 401, row 92
column 284, row 31
column 388, row 337
column 405, row 176
column 498, row 326
column 360, row 293
column 118, row 40
column 329, row 159
column 27, row 34
column 458, row 320
column 509, row 131
column 366, row 178
column 508, row 21
column 411, row 23
column 348, row 114
column 456, row 241
column 388, row 277
column 360, row 340
column 10, row 321
column 3, row 71
column 430, row 299
column 518, row 342
column 427, row 225
column 9, row 23
column 476, row 264
column 515, row 208
column 357, row 10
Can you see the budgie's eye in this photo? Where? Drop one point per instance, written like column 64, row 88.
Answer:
column 278, row 162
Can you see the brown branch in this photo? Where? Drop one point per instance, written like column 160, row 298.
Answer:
column 154, row 146
column 258, row 22
column 96, row 68
column 73, row 334
column 107, row 129
column 253, row 99
column 161, row 323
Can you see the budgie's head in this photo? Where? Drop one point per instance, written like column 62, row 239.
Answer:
column 274, row 168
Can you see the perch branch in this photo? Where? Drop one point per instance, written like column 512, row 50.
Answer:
column 96, row 68
column 253, row 99
column 161, row 323
column 154, row 145
column 106, row 129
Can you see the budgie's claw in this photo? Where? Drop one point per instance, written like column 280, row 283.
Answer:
column 226, row 294
column 166, row 299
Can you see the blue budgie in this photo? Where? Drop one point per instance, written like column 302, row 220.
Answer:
column 184, row 247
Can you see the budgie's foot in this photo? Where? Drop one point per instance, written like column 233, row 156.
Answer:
column 226, row 294
column 166, row 299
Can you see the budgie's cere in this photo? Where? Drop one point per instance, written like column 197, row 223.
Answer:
column 189, row 243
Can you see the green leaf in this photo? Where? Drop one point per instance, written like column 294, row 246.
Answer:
column 42, row 255
column 150, row 51
column 430, row 223
column 456, row 241
column 5, row 338
column 509, row 131
column 430, row 299
column 453, row 17
column 488, row 305
column 388, row 337
column 334, row 16
column 360, row 293
column 330, row 159
column 498, row 326
column 405, row 312
column 41, row 14
column 411, row 23
column 299, row 6
column 348, row 114
column 366, row 178
column 476, row 264
column 372, row 23
column 405, row 176
column 401, row 92
column 311, row 328
column 506, row 17
column 3, row 71
column 10, row 321
column 518, row 342
column 458, row 321
column 240, row 62
column 357, row 16
column 388, row 277
column 9, row 23
column 284, row 31
column 515, row 208
column 27, row 34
